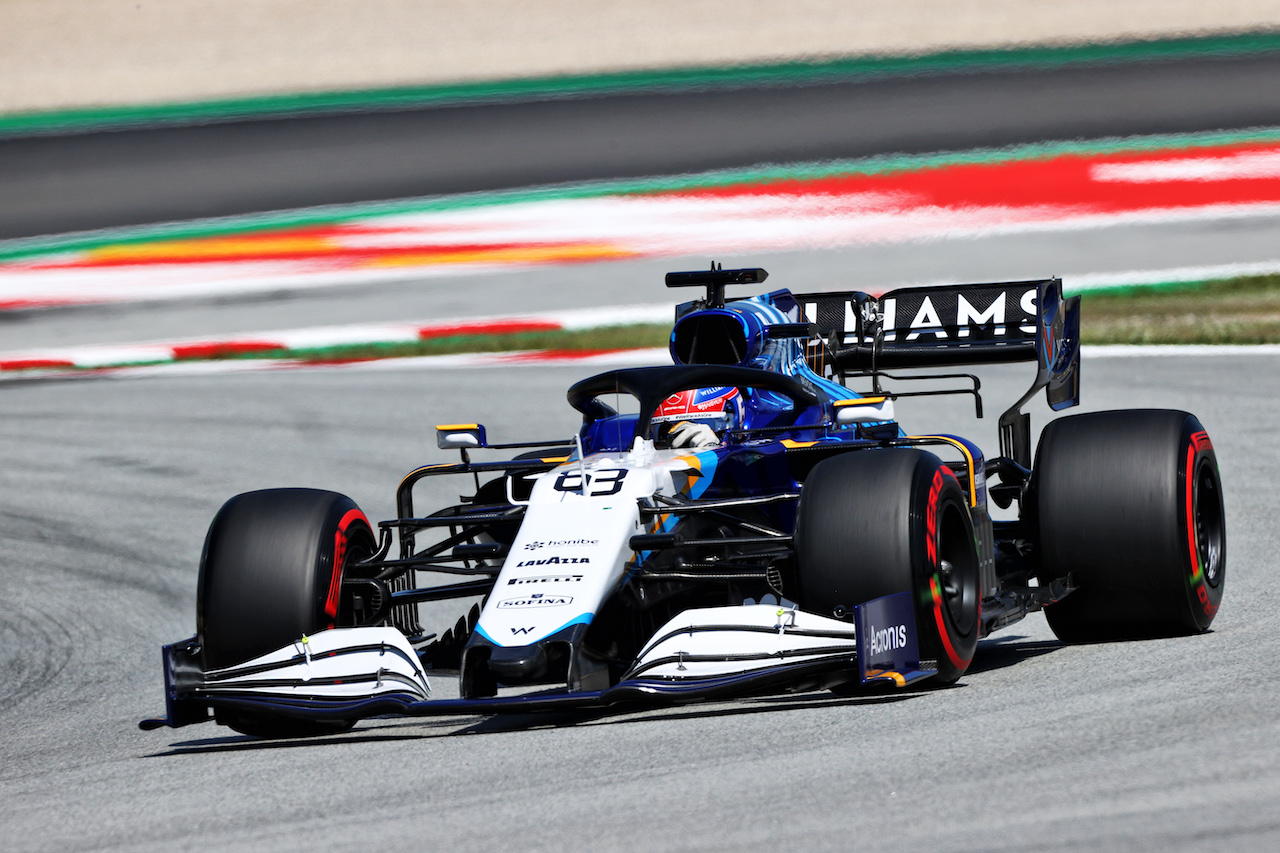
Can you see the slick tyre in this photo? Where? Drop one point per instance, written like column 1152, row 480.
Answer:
column 271, row 573
column 1129, row 504
column 877, row 522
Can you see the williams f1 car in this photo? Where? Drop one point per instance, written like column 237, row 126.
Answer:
column 738, row 522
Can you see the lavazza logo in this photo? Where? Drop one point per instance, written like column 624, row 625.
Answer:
column 886, row 639
column 561, row 543
column 553, row 561
column 537, row 599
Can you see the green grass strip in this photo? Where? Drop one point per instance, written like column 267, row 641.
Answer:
column 693, row 77
column 1232, row 311
column 332, row 215
column 613, row 337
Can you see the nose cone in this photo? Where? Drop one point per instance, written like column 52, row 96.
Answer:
column 518, row 664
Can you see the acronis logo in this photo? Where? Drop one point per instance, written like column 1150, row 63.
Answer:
column 885, row 639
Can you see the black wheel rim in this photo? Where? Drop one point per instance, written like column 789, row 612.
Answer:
column 1209, row 521
column 957, row 571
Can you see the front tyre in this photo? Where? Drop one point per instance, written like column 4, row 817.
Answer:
column 877, row 522
column 271, row 573
column 1130, row 504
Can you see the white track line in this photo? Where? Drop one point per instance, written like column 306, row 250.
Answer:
column 1159, row 350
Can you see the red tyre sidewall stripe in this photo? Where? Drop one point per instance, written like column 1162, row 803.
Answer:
column 339, row 557
column 957, row 661
column 1199, row 442
column 931, row 546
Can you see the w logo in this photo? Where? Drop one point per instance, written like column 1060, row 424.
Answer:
column 521, row 630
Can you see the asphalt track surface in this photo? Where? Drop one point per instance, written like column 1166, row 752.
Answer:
column 1157, row 745
column 54, row 184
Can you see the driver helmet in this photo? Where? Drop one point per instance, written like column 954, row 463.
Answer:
column 719, row 408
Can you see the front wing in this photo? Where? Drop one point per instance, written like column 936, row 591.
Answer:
column 703, row 654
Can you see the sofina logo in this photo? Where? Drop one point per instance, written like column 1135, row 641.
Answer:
column 535, row 600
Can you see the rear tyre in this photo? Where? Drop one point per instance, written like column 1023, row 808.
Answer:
column 272, row 572
column 878, row 522
column 1130, row 504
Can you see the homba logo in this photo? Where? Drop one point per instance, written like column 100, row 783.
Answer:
column 886, row 639
column 535, row 600
column 561, row 543
column 553, row 561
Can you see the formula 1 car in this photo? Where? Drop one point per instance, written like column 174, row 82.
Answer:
column 747, row 524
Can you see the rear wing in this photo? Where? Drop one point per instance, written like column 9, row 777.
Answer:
column 954, row 326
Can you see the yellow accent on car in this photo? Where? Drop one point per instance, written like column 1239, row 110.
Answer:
column 860, row 401
column 898, row 678
column 959, row 445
